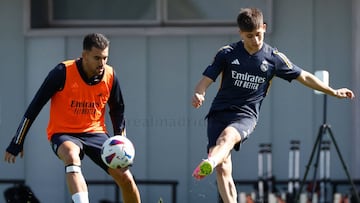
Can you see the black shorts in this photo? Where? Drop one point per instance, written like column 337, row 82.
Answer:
column 218, row 121
column 90, row 144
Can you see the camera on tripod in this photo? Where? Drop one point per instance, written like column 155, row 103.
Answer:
column 321, row 148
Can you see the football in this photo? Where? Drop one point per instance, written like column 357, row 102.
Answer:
column 118, row 152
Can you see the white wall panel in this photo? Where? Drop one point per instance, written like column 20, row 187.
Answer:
column 12, row 83
column 167, row 109
column 44, row 172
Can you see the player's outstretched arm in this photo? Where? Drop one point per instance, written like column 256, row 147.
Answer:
column 52, row 83
column 199, row 94
column 313, row 82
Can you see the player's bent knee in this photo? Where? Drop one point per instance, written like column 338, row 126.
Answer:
column 71, row 168
column 121, row 176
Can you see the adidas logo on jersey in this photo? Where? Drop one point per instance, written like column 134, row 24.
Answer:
column 235, row 62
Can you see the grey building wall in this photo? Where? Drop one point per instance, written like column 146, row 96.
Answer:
column 158, row 72
column 12, row 99
column 356, row 74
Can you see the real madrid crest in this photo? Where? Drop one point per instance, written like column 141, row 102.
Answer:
column 264, row 66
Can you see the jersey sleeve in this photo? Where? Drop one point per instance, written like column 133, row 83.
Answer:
column 217, row 66
column 54, row 82
column 284, row 68
column 117, row 107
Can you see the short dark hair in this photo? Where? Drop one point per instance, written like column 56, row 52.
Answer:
column 250, row 19
column 96, row 40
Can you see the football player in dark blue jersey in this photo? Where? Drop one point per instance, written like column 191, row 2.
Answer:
column 246, row 68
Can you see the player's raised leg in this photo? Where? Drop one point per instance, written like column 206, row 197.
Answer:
column 218, row 153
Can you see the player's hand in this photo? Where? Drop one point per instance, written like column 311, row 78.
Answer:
column 344, row 93
column 197, row 100
column 12, row 151
column 10, row 158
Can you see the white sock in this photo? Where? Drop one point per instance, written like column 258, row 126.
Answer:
column 80, row 197
column 212, row 161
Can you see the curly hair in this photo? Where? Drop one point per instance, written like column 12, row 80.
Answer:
column 96, row 40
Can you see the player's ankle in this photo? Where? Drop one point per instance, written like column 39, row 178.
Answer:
column 212, row 161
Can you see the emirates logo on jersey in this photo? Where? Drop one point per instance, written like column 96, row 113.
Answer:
column 246, row 80
column 85, row 107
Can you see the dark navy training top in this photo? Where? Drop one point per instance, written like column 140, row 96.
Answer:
column 245, row 78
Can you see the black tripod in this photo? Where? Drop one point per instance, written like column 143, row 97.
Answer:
column 325, row 129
